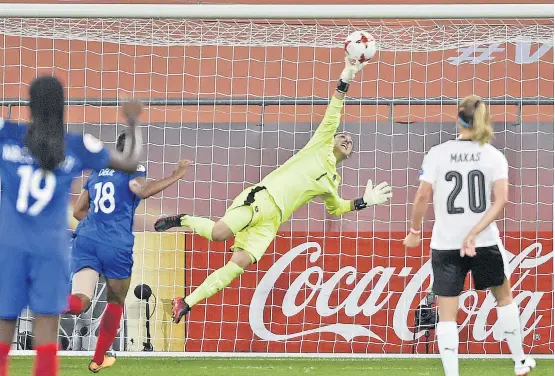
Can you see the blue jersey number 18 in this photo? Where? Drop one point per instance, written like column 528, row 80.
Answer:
column 31, row 185
column 104, row 199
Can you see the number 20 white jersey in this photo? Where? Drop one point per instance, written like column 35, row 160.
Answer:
column 462, row 173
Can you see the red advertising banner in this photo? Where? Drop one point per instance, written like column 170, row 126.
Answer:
column 357, row 293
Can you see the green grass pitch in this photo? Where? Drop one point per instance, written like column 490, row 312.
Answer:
column 71, row 366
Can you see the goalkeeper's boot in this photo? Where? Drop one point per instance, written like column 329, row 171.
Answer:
column 524, row 367
column 179, row 309
column 109, row 361
column 165, row 223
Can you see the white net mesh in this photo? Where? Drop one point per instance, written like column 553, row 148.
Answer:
column 414, row 36
column 325, row 285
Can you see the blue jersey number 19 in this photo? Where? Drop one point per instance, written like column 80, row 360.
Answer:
column 30, row 185
column 104, row 199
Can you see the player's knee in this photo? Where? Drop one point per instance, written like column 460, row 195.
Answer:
column 83, row 285
column 502, row 294
column 221, row 232
column 117, row 291
column 242, row 258
column 448, row 307
column 504, row 302
column 85, row 302
column 116, row 297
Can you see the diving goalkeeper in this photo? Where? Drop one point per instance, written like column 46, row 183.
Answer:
column 255, row 215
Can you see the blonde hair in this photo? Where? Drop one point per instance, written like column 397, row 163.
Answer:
column 474, row 115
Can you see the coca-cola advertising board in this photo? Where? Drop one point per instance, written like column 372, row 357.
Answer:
column 357, row 294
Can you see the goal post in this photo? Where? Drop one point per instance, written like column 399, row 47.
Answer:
column 240, row 89
column 281, row 11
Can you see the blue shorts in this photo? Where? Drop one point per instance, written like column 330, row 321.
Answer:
column 113, row 263
column 38, row 279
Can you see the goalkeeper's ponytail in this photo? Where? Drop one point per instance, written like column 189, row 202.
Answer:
column 474, row 115
column 45, row 137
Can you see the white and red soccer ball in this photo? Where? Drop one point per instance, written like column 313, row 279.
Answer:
column 360, row 46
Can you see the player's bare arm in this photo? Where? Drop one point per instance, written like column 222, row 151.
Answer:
column 145, row 189
column 81, row 207
column 419, row 207
column 501, row 197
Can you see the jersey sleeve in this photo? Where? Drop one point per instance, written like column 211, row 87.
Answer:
column 428, row 172
column 335, row 205
column 2, row 133
column 501, row 167
column 2, row 130
column 10, row 130
column 330, row 123
column 91, row 152
column 141, row 173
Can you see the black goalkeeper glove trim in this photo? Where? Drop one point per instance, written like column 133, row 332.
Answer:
column 342, row 86
column 360, row 204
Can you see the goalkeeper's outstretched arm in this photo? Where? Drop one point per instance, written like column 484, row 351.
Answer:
column 328, row 127
column 377, row 195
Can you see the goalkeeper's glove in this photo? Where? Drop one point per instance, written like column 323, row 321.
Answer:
column 348, row 74
column 374, row 195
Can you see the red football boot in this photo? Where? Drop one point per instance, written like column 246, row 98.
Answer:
column 179, row 309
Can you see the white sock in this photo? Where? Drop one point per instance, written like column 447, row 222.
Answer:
column 448, row 343
column 509, row 319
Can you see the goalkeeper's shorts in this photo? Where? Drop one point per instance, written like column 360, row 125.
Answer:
column 35, row 278
column 261, row 225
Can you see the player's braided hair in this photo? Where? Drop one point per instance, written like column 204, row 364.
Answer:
column 474, row 115
column 45, row 137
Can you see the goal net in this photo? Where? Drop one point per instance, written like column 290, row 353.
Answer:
column 239, row 97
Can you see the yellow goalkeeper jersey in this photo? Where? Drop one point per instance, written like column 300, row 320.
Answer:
column 311, row 172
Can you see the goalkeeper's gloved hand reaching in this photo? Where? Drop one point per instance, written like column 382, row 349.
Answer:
column 348, row 74
column 351, row 69
column 374, row 195
column 377, row 195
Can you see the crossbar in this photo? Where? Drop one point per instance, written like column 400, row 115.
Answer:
column 280, row 101
column 283, row 11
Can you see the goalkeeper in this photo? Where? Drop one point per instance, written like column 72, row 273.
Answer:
column 255, row 215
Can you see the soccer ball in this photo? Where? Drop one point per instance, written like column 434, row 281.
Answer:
column 360, row 46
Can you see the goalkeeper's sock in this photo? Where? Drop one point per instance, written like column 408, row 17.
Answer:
column 46, row 361
column 509, row 320
column 448, row 343
column 4, row 350
column 214, row 283
column 200, row 225
column 108, row 330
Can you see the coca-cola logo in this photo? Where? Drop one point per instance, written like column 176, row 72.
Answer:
column 380, row 277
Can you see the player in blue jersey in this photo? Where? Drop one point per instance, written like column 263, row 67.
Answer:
column 37, row 165
column 104, row 241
